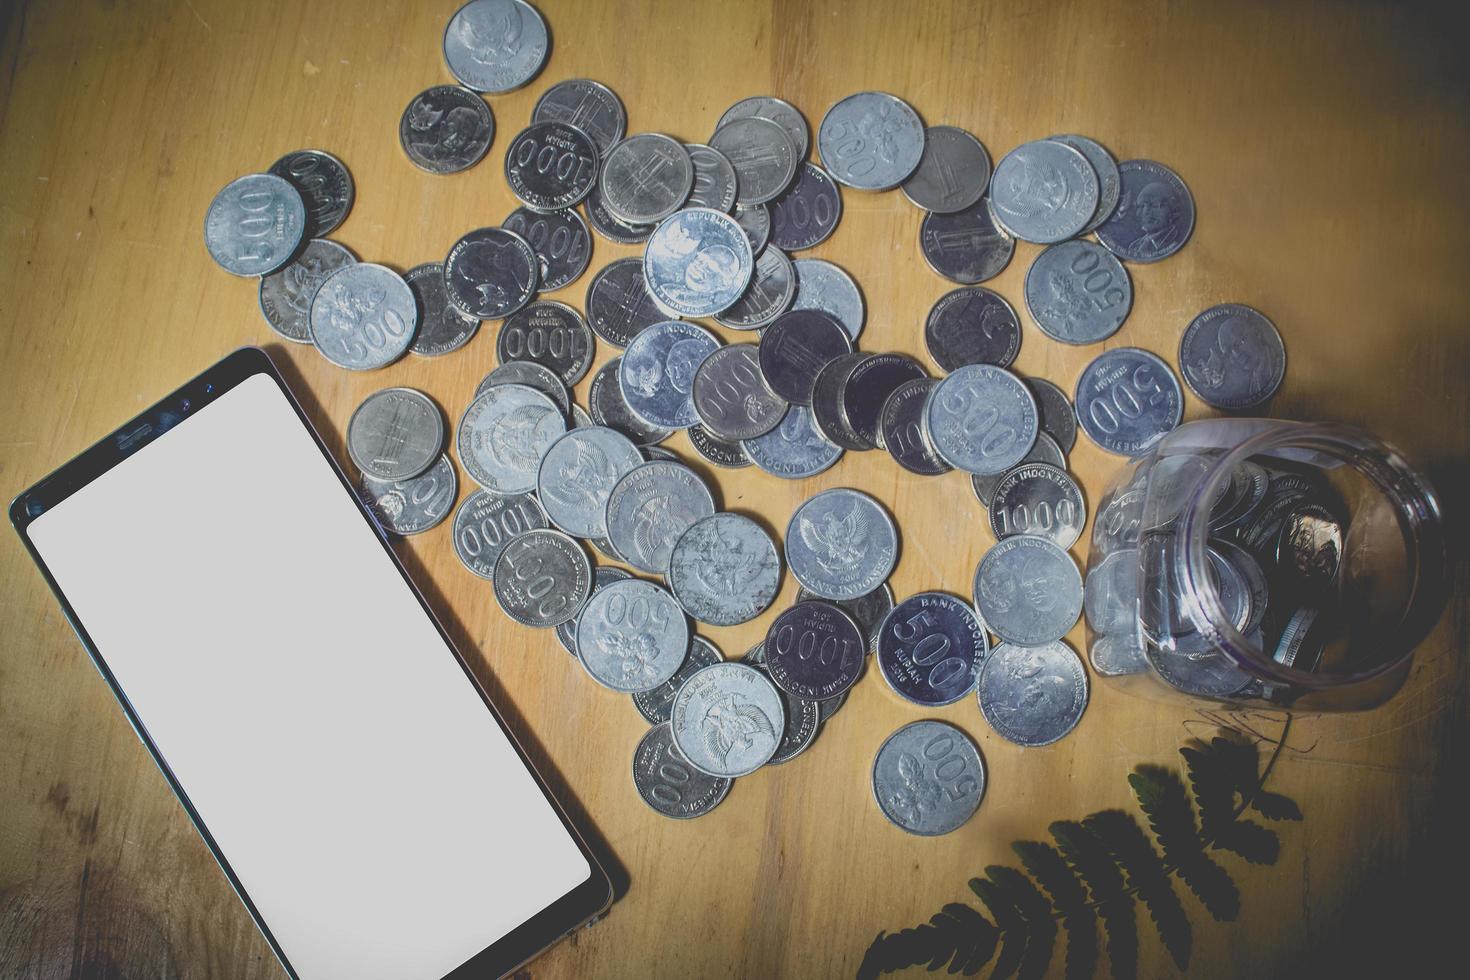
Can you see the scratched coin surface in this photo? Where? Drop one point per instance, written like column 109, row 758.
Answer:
column 415, row 504
column 656, row 374
column 254, row 224
column 286, row 294
column 806, row 215
column 930, row 648
column 486, row 522
column 714, row 179
column 820, row 285
column 668, row 783
column 724, row 570
column 871, row 141
column 778, row 111
column 1232, row 357
column 1155, row 213
column 490, row 273
column 650, row 507
column 1039, row 499
column 1078, row 292
column 632, row 636
column 698, row 262
column 550, row 334
column 495, row 45
column 732, row 397
column 966, row 246
column 325, row 186
column 395, row 434
column 577, row 475
column 1028, row 591
column 928, row 778
column 815, row 650
column 619, row 305
column 972, row 325
column 771, row 292
column 589, row 106
column 1109, row 182
column 363, row 317
column 841, row 544
column 658, row 704
column 606, row 406
column 1032, row 695
column 532, row 375
column 443, row 328
column 763, row 155
column 902, row 426
column 952, row 173
column 1127, row 400
column 645, row 178
column 981, row 419
column 795, row 348
column 794, row 449
column 561, row 241
column 542, row 578
column 728, row 719
column 1044, row 192
column 503, row 435
column 446, row 129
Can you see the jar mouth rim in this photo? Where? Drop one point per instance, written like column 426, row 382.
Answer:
column 1391, row 475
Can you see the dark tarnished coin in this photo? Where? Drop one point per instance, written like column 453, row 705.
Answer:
column 495, row 45
column 1154, row 217
column 446, row 129
column 669, row 784
column 952, row 173
column 721, row 452
column 815, row 651
column 1044, row 192
column 486, row 522
column 724, row 569
column 1127, row 400
column 868, row 611
column 981, row 419
column 657, row 372
column 650, row 507
column 443, row 328
column 286, row 294
column 550, row 166
column 967, row 246
column 869, row 386
column 254, row 224
column 728, row 719
column 795, row 348
column 732, row 397
column 697, row 262
column 606, row 406
column 829, row 412
column 1038, row 499
column 325, row 187
column 764, row 158
column 930, row 648
column 602, row 576
column 577, row 475
column 972, row 325
column 656, row 705
column 532, row 375
column 1033, row 695
column 645, row 178
column 503, row 435
column 778, row 111
column 928, row 778
column 490, row 273
column 586, row 105
column 841, row 544
column 413, row 505
column 820, row 285
column 770, row 293
column 871, row 141
column 1109, row 183
column 610, row 226
column 755, row 221
column 1078, row 292
column 1058, row 417
column 1232, row 357
column 714, row 179
column 619, row 305
column 363, row 317
column 1028, row 591
column 1046, row 450
column 902, row 426
column 560, row 240
column 542, row 578
column 794, row 449
column 395, row 434
column 550, row 334
column 807, row 214
column 631, row 636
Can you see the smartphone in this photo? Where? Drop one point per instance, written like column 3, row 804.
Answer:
column 333, row 749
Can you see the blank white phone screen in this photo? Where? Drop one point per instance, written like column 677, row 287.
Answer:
column 347, row 768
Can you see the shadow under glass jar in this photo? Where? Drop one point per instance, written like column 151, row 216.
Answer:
column 1266, row 563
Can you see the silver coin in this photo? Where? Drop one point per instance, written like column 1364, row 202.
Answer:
column 532, row 375
column 587, row 105
column 1034, row 695
column 981, row 419
column 794, row 449
column 490, row 273
column 966, row 246
column 660, row 454
column 807, row 214
column 928, row 778
column 1117, row 654
column 755, row 221
column 580, row 418
column 658, row 704
column 395, row 434
column 902, row 426
column 632, row 636
column 1046, row 450
column 1109, row 183
column 972, row 325
column 443, row 329
column 1155, row 213
column 286, row 294
column 503, row 435
column 602, row 576
column 607, row 407
column 650, row 507
column 325, row 186
column 486, row 522
column 764, row 158
column 645, row 178
column 771, row 292
column 868, row 611
column 550, row 166
column 542, row 578
column 721, row 452
column 667, row 782
column 1127, row 400
column 413, row 505
column 778, row 111
column 1028, row 591
column 363, row 317
column 803, row 718
column 795, row 348
column 1204, row 671
column 254, row 224
column 952, row 173
column 732, row 397
column 1232, row 357
column 697, row 262
column 871, row 141
column 727, row 719
column 656, row 373
column 714, row 179
column 841, row 544
column 829, row 412
column 930, row 648
column 577, row 475
column 868, row 388
column 815, row 650
column 610, row 226
column 1038, row 499
column 619, row 305
column 820, row 285
column 495, row 45
column 1058, row 417
column 724, row 570
column 561, row 241
column 550, row 334
column 1044, row 192
column 446, row 129
column 1078, row 292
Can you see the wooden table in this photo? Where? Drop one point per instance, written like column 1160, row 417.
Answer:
column 1326, row 146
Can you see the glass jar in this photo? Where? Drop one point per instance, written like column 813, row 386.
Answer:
column 1265, row 563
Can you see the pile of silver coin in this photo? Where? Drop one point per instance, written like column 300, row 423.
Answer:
column 719, row 222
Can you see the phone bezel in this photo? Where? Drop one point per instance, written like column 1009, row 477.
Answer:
column 584, row 902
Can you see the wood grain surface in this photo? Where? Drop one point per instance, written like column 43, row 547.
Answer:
column 1326, row 145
